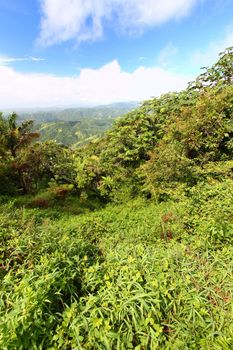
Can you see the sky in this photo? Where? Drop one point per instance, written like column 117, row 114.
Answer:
column 63, row 53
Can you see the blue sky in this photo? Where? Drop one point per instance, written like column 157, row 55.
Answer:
column 57, row 53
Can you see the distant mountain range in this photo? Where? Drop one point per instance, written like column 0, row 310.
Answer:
column 74, row 114
column 75, row 126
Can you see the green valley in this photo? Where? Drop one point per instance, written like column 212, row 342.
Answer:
column 76, row 126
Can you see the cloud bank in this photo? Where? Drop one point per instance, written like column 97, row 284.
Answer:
column 83, row 20
column 93, row 86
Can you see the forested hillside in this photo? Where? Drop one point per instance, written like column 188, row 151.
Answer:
column 124, row 242
column 76, row 126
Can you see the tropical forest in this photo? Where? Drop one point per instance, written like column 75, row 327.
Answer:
column 121, row 237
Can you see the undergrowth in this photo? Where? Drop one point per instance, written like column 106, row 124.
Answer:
column 139, row 275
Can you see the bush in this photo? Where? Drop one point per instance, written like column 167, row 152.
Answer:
column 210, row 212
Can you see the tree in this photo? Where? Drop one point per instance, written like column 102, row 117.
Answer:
column 13, row 139
column 40, row 162
column 220, row 73
column 17, row 136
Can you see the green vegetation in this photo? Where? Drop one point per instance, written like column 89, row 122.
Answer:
column 124, row 242
column 76, row 126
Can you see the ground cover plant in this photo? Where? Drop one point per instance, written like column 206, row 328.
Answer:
column 125, row 242
column 127, row 276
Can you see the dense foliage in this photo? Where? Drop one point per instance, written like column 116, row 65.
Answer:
column 126, row 241
column 137, row 275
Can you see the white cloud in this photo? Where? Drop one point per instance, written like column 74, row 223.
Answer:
column 5, row 60
column 210, row 55
column 104, row 85
column 84, row 19
column 166, row 53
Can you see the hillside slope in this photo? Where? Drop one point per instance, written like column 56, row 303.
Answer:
column 75, row 126
column 124, row 242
